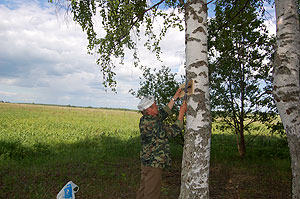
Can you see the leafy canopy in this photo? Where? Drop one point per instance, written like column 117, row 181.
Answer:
column 123, row 22
column 162, row 85
column 240, row 57
column 158, row 83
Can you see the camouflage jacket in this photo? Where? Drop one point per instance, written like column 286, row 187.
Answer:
column 155, row 139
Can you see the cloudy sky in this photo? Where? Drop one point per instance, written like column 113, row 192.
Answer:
column 43, row 59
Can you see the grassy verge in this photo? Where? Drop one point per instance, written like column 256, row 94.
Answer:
column 44, row 147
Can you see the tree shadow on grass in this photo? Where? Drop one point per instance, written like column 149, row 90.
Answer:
column 107, row 146
column 17, row 151
column 224, row 147
column 103, row 167
column 263, row 173
column 107, row 167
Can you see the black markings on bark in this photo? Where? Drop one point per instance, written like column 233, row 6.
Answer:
column 279, row 60
column 294, row 145
column 291, row 110
column 203, row 74
column 191, row 12
column 191, row 75
column 286, row 42
column 276, row 98
column 193, row 39
column 283, row 70
column 286, row 35
column 292, row 96
column 291, row 17
column 199, row 29
column 192, row 133
column 284, row 86
column 201, row 106
column 198, row 64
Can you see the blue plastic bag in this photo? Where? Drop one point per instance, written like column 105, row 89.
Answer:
column 68, row 191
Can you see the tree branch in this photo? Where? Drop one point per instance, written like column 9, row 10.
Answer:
column 236, row 14
column 209, row 2
column 138, row 17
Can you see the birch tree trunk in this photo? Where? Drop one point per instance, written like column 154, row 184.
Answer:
column 196, row 154
column 286, row 89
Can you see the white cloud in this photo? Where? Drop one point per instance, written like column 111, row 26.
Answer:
column 271, row 26
column 270, row 21
column 43, row 59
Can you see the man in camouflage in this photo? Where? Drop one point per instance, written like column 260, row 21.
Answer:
column 155, row 153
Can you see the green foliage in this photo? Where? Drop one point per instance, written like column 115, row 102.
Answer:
column 123, row 22
column 162, row 85
column 159, row 83
column 240, row 58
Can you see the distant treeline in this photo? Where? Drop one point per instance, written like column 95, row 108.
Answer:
column 59, row 105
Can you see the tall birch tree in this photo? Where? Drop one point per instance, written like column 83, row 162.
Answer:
column 120, row 18
column 240, row 56
column 286, row 88
column 196, row 153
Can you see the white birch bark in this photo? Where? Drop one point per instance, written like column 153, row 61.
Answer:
column 286, row 88
column 196, row 154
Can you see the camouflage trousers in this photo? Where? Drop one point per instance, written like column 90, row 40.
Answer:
column 150, row 185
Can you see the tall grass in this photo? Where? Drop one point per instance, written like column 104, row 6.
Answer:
column 43, row 147
column 32, row 130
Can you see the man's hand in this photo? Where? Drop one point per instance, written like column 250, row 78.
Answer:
column 182, row 111
column 183, row 107
column 177, row 94
column 174, row 98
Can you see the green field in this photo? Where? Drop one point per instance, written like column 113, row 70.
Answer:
column 44, row 147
